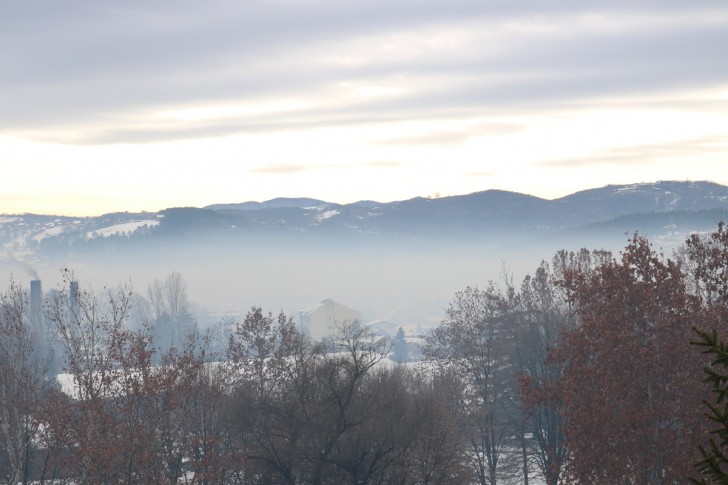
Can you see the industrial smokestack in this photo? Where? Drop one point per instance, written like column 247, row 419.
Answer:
column 36, row 298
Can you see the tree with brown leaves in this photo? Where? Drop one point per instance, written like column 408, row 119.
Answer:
column 631, row 381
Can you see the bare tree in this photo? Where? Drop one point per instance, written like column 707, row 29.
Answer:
column 272, row 362
column 544, row 316
column 474, row 341
column 170, row 310
column 91, row 332
column 22, row 385
column 437, row 453
column 340, row 376
column 183, row 415
column 305, row 413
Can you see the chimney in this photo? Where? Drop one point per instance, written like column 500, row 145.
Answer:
column 36, row 298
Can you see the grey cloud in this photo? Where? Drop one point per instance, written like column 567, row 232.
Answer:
column 646, row 154
column 271, row 123
column 456, row 137
column 67, row 65
column 688, row 104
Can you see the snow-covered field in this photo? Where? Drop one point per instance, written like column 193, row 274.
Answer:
column 50, row 232
column 327, row 215
column 124, row 228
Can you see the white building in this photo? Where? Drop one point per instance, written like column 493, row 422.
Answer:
column 320, row 321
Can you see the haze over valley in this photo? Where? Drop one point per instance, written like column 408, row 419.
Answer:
column 398, row 261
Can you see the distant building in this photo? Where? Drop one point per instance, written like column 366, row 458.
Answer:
column 320, row 321
column 382, row 328
column 36, row 301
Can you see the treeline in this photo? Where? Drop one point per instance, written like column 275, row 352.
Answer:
column 583, row 372
column 274, row 408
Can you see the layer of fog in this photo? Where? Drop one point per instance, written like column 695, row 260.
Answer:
column 407, row 283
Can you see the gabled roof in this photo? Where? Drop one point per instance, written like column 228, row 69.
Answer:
column 328, row 301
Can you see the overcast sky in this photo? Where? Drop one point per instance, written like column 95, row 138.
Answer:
column 141, row 105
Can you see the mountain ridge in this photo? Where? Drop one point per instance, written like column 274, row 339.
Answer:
column 378, row 256
column 480, row 216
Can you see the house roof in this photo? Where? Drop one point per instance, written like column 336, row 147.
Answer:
column 328, row 301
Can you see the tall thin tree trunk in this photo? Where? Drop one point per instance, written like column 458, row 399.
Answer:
column 524, row 455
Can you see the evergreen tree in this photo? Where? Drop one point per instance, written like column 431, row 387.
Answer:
column 401, row 354
column 714, row 465
column 706, row 261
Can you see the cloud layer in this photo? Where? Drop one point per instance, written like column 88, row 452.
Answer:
column 354, row 100
column 95, row 72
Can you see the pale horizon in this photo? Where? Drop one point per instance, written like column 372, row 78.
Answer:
column 430, row 196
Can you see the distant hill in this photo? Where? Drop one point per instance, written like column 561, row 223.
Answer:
column 496, row 208
column 399, row 261
column 270, row 204
column 492, row 215
column 618, row 200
